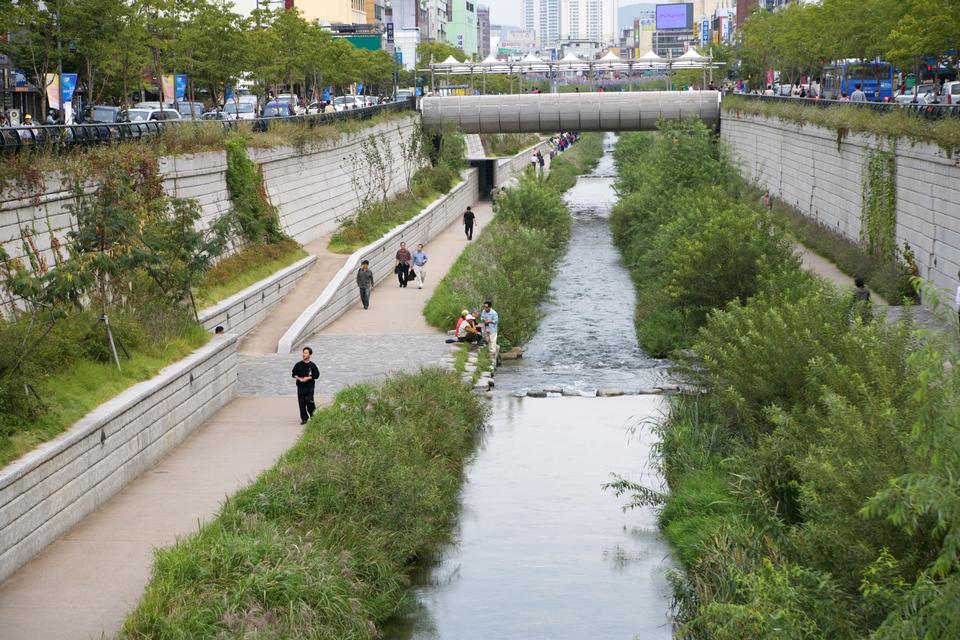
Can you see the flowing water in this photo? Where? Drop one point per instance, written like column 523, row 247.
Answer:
column 542, row 551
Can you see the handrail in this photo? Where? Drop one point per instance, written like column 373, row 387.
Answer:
column 928, row 111
column 57, row 138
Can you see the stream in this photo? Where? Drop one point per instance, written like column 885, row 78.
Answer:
column 542, row 551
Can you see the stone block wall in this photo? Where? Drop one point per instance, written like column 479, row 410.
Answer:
column 47, row 491
column 810, row 169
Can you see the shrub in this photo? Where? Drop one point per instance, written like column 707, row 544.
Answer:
column 257, row 219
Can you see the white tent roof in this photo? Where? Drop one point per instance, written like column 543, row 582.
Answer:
column 571, row 61
column 531, row 59
column 611, row 57
column 449, row 62
column 692, row 55
column 490, row 60
column 650, row 60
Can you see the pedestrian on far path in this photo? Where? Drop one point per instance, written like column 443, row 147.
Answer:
column 540, row 160
column 306, row 373
column 468, row 218
column 861, row 299
column 767, row 202
column 403, row 264
column 491, row 327
column 858, row 95
column 365, row 283
column 420, row 265
column 533, row 161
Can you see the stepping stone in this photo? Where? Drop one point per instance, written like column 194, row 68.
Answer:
column 571, row 392
column 512, row 354
column 553, row 389
column 609, row 393
column 536, row 393
column 650, row 391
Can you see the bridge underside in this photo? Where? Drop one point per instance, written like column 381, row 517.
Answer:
column 549, row 112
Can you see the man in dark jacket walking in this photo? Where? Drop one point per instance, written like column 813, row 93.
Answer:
column 365, row 282
column 468, row 218
column 403, row 264
column 306, row 374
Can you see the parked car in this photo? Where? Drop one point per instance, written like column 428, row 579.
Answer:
column 185, row 109
column 292, row 100
column 149, row 115
column 278, row 110
column 950, row 93
column 245, row 110
column 921, row 94
column 217, row 114
column 102, row 113
column 404, row 94
column 346, row 103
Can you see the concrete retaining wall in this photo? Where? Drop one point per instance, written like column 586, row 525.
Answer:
column 342, row 293
column 56, row 485
column 807, row 168
column 243, row 311
column 507, row 168
column 311, row 189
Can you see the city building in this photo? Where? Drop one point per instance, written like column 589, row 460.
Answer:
column 583, row 49
column 483, row 30
column 518, row 43
column 331, row 11
column 405, row 41
column 462, row 26
column 594, row 20
column 543, row 18
column 746, row 7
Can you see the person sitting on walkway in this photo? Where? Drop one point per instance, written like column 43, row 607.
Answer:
column 467, row 330
column 306, row 374
column 365, row 283
column 403, row 264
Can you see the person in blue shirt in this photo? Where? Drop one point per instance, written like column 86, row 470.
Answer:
column 491, row 326
column 420, row 265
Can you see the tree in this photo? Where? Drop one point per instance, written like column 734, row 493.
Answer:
column 34, row 27
column 217, row 46
column 433, row 52
column 926, row 28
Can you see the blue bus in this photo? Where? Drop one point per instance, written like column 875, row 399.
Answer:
column 875, row 79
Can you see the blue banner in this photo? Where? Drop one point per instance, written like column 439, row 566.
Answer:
column 359, row 88
column 68, row 84
column 180, row 86
column 398, row 54
column 327, row 92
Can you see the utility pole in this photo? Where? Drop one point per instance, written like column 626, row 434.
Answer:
column 63, row 111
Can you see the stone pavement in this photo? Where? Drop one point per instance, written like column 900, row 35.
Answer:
column 83, row 585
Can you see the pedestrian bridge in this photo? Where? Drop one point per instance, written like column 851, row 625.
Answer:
column 550, row 112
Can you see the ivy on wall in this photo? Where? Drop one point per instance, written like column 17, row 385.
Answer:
column 257, row 219
column 878, row 219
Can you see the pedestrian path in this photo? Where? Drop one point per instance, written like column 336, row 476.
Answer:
column 83, row 585
column 265, row 337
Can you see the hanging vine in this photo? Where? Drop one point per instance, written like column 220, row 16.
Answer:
column 256, row 218
column 878, row 220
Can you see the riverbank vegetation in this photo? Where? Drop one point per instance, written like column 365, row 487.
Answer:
column 895, row 124
column 511, row 262
column 324, row 543
column 507, row 144
column 812, row 490
column 432, row 169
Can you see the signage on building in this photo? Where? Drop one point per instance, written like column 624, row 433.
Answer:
column 675, row 16
column 398, row 56
column 389, row 32
column 704, row 32
column 460, row 41
column 725, row 28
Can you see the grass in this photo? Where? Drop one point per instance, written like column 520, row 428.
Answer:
column 82, row 385
column 890, row 279
column 323, row 544
column 461, row 355
column 251, row 264
column 507, row 144
column 844, row 119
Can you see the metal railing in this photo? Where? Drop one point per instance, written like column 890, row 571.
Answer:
column 58, row 138
column 928, row 111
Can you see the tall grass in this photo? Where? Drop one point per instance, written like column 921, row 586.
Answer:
column 507, row 144
column 322, row 545
column 247, row 266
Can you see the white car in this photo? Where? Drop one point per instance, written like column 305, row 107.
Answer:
column 921, row 94
column 218, row 115
column 347, row 103
column 149, row 115
column 292, row 99
column 246, row 110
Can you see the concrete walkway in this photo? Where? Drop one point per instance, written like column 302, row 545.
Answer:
column 84, row 584
column 824, row 268
column 265, row 337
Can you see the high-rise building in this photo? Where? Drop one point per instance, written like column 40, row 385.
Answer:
column 462, row 26
column 333, row 11
column 591, row 20
column 483, row 30
column 543, row 18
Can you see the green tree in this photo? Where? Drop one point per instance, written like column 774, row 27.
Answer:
column 925, row 28
column 34, row 29
column 434, row 52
